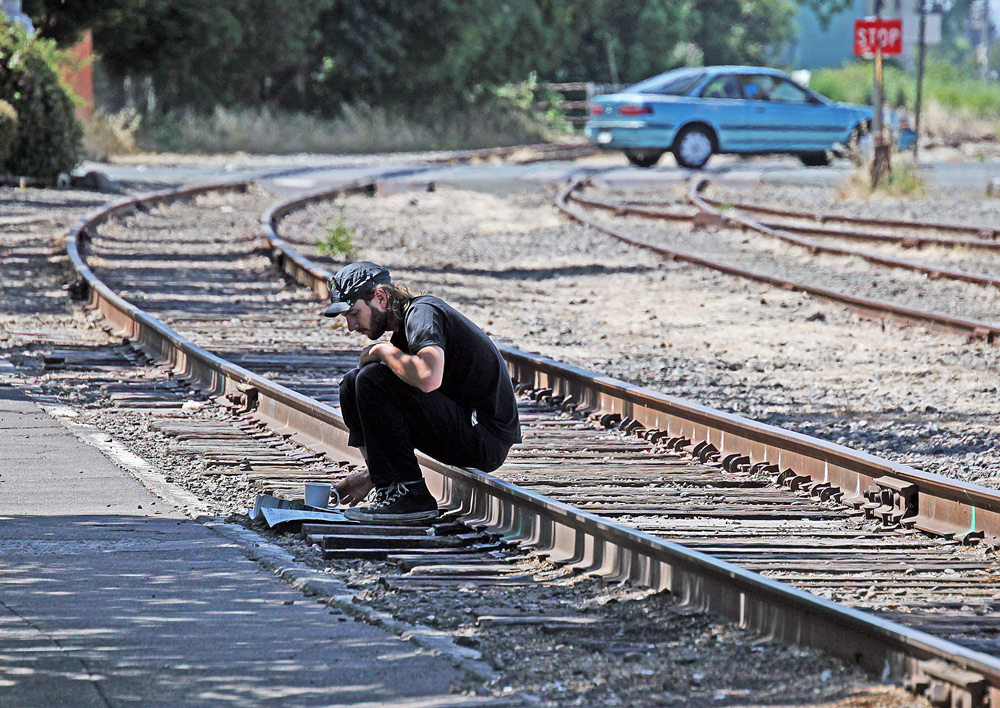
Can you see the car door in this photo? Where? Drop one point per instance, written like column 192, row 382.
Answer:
column 786, row 118
column 725, row 108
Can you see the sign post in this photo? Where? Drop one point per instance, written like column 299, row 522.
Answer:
column 874, row 38
column 922, row 48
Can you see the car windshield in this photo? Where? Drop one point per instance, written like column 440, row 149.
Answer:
column 674, row 83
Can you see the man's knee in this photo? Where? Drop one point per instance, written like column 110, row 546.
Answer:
column 348, row 385
column 374, row 379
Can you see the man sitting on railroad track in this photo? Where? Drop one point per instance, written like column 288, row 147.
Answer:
column 438, row 385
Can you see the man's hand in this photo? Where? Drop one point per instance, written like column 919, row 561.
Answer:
column 370, row 354
column 355, row 488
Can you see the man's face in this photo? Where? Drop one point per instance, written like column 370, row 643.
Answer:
column 367, row 318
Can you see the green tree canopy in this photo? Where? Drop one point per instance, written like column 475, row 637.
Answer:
column 317, row 54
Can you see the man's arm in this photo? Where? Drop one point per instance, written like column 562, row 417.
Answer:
column 423, row 370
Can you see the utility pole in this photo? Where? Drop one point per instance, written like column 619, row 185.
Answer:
column 612, row 64
column 881, row 164
column 922, row 48
column 979, row 23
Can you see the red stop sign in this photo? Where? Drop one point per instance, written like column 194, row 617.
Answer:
column 869, row 35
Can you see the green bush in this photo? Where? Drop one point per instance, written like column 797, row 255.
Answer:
column 338, row 241
column 943, row 83
column 49, row 136
column 8, row 128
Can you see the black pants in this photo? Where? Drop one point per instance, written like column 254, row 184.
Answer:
column 391, row 419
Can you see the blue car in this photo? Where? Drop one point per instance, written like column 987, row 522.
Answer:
column 698, row 112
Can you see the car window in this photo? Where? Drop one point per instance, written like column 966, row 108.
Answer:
column 725, row 86
column 787, row 92
column 671, row 84
column 758, row 87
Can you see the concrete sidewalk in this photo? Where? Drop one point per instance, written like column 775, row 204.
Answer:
column 110, row 597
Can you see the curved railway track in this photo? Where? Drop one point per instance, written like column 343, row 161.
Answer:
column 710, row 480
column 910, row 291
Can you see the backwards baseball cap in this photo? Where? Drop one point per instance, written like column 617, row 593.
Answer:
column 353, row 282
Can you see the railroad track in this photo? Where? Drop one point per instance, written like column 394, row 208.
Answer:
column 725, row 472
column 900, row 289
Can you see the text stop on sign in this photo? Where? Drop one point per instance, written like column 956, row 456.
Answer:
column 869, row 35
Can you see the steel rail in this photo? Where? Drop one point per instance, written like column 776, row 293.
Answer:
column 984, row 232
column 907, row 240
column 563, row 533
column 876, row 309
column 591, row 544
column 819, row 247
column 782, row 234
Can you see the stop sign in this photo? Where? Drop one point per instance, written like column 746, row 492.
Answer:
column 869, row 35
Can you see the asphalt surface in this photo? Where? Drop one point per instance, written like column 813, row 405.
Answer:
column 942, row 171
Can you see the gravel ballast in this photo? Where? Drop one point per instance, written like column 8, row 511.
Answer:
column 531, row 277
column 517, row 267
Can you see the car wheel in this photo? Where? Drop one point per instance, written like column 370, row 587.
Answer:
column 643, row 158
column 693, row 147
column 815, row 159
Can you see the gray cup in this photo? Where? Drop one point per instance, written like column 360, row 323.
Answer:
column 317, row 494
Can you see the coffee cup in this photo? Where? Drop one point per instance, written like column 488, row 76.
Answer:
column 317, row 494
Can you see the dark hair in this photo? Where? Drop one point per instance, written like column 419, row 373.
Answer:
column 398, row 299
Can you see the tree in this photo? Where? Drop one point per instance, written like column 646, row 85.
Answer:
column 65, row 21
column 756, row 29
column 317, row 54
column 47, row 139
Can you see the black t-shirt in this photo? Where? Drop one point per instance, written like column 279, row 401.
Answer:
column 475, row 375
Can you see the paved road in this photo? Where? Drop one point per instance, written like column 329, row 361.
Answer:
column 943, row 172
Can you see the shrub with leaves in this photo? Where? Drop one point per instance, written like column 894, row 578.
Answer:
column 338, row 241
column 8, row 128
column 48, row 135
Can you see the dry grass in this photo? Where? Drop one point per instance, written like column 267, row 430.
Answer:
column 949, row 124
column 904, row 181
column 107, row 134
column 359, row 129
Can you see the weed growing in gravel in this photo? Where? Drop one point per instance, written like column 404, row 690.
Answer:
column 904, row 181
column 338, row 241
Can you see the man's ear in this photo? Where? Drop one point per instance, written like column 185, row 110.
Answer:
column 381, row 298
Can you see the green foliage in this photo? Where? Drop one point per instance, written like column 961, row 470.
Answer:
column 317, row 55
column 48, row 136
column 337, row 241
column 826, row 9
column 535, row 101
column 944, row 84
column 65, row 21
column 8, row 128
column 755, row 29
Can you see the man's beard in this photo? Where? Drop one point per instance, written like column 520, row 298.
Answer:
column 379, row 321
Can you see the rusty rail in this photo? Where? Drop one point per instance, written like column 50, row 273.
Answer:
column 875, row 309
column 983, row 232
column 574, row 537
column 735, row 220
column 927, row 501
